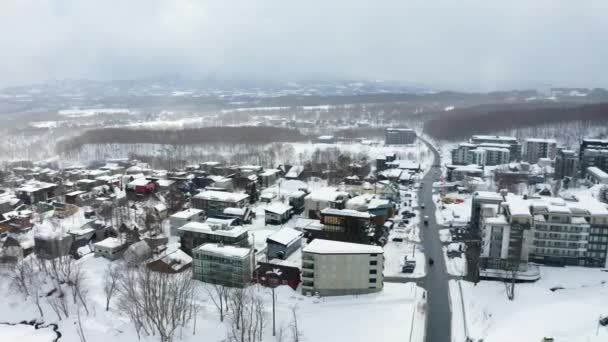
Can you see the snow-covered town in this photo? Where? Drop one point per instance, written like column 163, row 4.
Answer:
column 382, row 234
column 280, row 171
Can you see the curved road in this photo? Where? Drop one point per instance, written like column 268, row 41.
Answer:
column 439, row 321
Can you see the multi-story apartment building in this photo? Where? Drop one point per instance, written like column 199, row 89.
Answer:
column 565, row 231
column 226, row 265
column 566, row 163
column 535, row 149
column 460, row 154
column 399, row 136
column 214, row 202
column 194, row 234
column 593, row 152
column 514, row 145
column 332, row 268
column 342, row 225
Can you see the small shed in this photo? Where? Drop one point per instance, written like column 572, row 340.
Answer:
column 277, row 213
column 110, row 248
column 282, row 243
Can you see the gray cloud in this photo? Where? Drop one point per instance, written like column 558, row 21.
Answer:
column 466, row 44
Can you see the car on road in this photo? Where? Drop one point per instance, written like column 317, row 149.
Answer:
column 422, row 207
column 426, row 220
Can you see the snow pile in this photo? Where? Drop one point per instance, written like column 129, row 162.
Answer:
column 568, row 314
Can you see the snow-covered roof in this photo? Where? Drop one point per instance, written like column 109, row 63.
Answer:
column 346, row 212
column 185, row 214
column 278, row 208
column 221, row 196
column 488, row 195
column 297, row 194
column 139, row 182
column 391, row 173
column 203, row 227
column 517, row 205
column 235, row 211
column 33, row 186
column 285, row 236
column 493, row 137
column 539, row 140
column 110, row 242
column 269, row 172
column 224, row 250
column 295, row 171
column 405, row 164
column 500, row 219
column 326, row 194
column 598, row 173
column 320, row 246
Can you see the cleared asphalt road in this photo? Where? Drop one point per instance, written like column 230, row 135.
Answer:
column 436, row 282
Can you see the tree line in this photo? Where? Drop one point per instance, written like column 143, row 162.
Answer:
column 462, row 123
column 243, row 135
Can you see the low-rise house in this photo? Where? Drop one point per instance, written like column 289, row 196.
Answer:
column 283, row 243
column 220, row 264
column 342, row 225
column 181, row 218
column 331, row 268
column 173, row 262
column 142, row 186
column 214, row 202
column 110, row 248
column 137, row 253
column 79, row 198
column 277, row 213
column 269, row 177
column 243, row 215
column 323, row 198
column 296, row 201
column 33, row 192
column 86, row 184
column 194, row 234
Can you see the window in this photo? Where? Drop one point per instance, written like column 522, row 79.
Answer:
column 372, row 280
column 373, row 271
column 373, row 262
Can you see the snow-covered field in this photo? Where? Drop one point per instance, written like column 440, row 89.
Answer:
column 456, row 265
column 26, row 333
column 395, row 310
column 569, row 314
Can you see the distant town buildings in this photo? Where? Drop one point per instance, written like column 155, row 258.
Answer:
column 510, row 143
column 566, row 164
column 593, row 152
column 535, row 149
column 399, row 136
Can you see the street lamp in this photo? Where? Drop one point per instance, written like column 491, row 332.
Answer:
column 273, row 281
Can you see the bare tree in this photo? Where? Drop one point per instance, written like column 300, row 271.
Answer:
column 296, row 334
column 26, row 279
column 110, row 282
column 219, row 295
column 157, row 303
column 247, row 319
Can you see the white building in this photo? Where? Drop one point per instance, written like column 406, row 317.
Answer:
column 181, row 218
column 323, row 198
column 551, row 230
column 110, row 248
column 596, row 176
column 331, row 268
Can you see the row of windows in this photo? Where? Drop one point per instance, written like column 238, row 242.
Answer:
column 562, row 229
column 560, row 252
column 596, row 230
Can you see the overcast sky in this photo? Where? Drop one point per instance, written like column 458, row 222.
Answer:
column 456, row 44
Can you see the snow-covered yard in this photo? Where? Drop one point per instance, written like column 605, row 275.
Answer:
column 395, row 310
column 447, row 213
column 395, row 254
column 568, row 314
column 455, row 265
